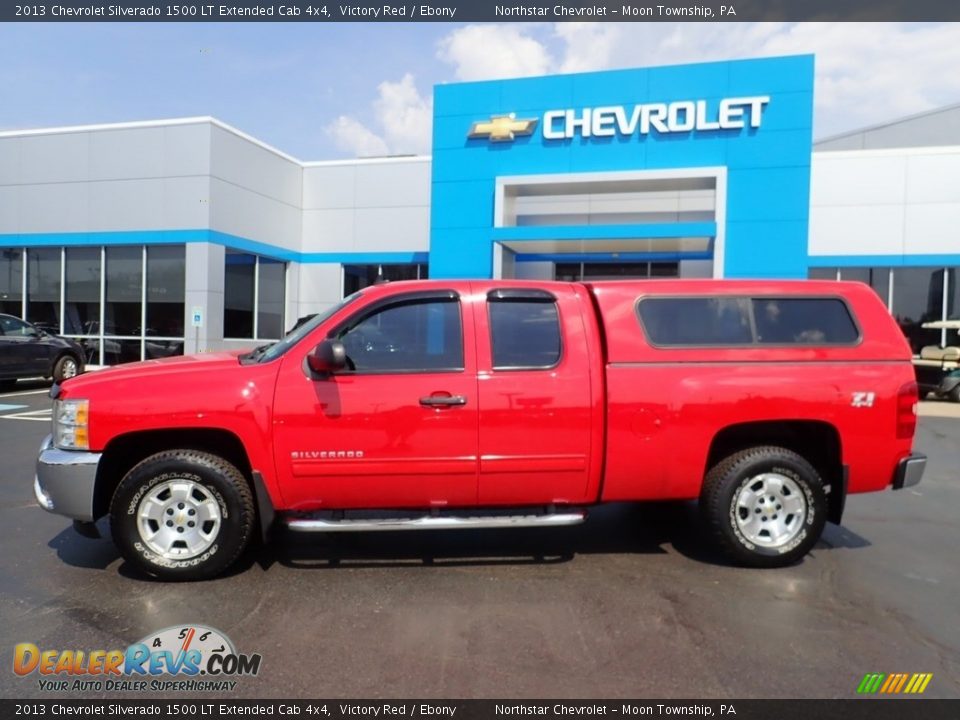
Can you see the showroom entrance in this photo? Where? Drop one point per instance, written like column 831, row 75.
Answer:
column 574, row 271
column 609, row 225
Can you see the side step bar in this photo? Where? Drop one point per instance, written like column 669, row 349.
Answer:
column 431, row 522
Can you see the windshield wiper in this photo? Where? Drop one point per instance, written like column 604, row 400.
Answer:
column 255, row 354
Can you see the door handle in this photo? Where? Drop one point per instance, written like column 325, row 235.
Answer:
column 443, row 400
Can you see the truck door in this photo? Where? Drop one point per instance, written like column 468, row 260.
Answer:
column 537, row 420
column 16, row 352
column 398, row 428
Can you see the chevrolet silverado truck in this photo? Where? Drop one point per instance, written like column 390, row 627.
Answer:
column 487, row 404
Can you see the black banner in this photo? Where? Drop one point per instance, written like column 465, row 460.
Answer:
column 321, row 11
column 875, row 709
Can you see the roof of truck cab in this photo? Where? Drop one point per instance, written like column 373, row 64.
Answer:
column 669, row 286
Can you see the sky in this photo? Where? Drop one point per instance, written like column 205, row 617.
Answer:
column 327, row 91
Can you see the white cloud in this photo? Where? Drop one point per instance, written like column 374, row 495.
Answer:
column 485, row 52
column 405, row 116
column 354, row 137
column 587, row 46
column 865, row 72
column 403, row 119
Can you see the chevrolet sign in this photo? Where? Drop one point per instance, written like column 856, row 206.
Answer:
column 502, row 128
column 610, row 121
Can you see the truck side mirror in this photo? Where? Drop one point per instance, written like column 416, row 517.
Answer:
column 328, row 357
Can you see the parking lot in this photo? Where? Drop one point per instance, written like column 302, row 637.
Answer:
column 629, row 605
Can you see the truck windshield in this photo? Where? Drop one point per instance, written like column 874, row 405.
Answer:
column 272, row 352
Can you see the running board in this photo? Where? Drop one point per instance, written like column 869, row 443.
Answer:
column 431, row 522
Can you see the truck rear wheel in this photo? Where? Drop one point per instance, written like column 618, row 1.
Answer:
column 764, row 506
column 182, row 515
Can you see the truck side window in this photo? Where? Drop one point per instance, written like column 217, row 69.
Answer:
column 417, row 335
column 696, row 321
column 733, row 321
column 524, row 332
column 804, row 321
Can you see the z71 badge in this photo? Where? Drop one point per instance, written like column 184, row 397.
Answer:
column 863, row 399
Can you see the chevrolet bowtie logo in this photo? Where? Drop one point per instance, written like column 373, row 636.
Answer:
column 502, row 128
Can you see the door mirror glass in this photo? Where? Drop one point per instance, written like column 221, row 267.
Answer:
column 328, row 357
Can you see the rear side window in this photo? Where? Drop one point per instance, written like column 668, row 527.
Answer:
column 696, row 321
column 803, row 321
column 524, row 332
column 720, row 321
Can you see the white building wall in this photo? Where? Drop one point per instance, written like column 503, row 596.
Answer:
column 255, row 192
column 367, row 206
column 106, row 179
column 320, row 287
column 885, row 202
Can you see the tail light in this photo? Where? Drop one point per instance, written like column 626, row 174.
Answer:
column 907, row 399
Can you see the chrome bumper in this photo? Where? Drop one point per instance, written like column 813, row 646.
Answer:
column 909, row 471
column 65, row 481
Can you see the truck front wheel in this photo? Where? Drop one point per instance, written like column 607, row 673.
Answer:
column 764, row 506
column 182, row 515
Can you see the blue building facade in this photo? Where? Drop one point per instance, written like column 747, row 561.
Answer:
column 742, row 128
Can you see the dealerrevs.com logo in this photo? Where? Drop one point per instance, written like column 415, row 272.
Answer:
column 186, row 658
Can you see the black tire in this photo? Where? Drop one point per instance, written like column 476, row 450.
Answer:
column 954, row 394
column 719, row 510
column 66, row 367
column 214, row 479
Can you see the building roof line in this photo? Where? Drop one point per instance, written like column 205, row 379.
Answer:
column 367, row 160
column 886, row 124
column 200, row 119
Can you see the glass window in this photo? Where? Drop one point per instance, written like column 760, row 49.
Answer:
column 696, row 321
column 11, row 281
column 120, row 351
column 953, row 304
column 575, row 272
column 918, row 298
column 419, row 335
column 238, row 294
column 357, row 277
column 804, row 321
column 822, row 273
column 524, row 333
column 43, row 288
column 14, row 327
column 877, row 278
column 81, row 313
column 165, row 291
column 664, row 269
column 271, row 295
column 124, row 276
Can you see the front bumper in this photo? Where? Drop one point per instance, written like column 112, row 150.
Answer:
column 909, row 471
column 65, row 481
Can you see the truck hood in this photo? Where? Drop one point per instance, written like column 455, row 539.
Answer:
column 180, row 365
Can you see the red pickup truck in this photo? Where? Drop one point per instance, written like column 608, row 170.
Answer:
column 466, row 404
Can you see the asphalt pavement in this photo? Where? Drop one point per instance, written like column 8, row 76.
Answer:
column 631, row 604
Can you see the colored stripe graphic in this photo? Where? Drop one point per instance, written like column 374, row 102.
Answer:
column 894, row 683
column 870, row 683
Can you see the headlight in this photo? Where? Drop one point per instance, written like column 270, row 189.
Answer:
column 70, row 424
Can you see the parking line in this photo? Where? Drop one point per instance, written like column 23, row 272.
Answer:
column 35, row 415
column 29, row 392
column 5, row 408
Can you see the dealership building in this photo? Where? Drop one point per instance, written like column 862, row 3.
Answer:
column 154, row 238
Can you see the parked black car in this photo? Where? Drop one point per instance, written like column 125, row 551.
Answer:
column 27, row 351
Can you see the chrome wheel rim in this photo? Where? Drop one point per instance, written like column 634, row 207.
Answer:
column 770, row 510
column 69, row 368
column 178, row 519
